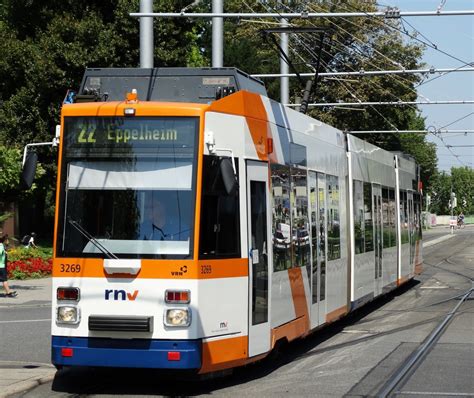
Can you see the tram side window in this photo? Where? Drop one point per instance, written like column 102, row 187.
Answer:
column 358, row 216
column 387, row 235
column 392, row 217
column 418, row 222
column 299, row 207
column 404, row 217
column 368, row 222
column 220, row 225
column 333, row 228
column 281, row 217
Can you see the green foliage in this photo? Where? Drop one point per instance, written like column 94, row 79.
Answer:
column 352, row 44
column 18, row 274
column 42, row 57
column 4, row 217
column 46, row 46
column 23, row 253
column 461, row 181
column 10, row 170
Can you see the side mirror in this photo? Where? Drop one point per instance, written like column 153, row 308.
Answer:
column 228, row 175
column 29, row 170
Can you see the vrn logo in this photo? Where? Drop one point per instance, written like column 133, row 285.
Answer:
column 111, row 294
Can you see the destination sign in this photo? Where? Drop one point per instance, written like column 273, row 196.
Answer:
column 118, row 131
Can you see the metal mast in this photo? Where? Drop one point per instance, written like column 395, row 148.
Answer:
column 146, row 35
column 217, row 34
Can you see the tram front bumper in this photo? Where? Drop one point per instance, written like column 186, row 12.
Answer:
column 123, row 353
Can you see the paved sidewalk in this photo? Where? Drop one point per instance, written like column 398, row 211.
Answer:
column 22, row 376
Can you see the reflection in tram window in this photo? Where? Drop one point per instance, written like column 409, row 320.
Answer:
column 300, row 223
column 368, row 221
column 334, row 242
column 358, row 217
column 314, row 232
column 404, row 217
column 388, row 215
column 417, row 214
column 322, row 233
column 392, row 216
column 281, row 225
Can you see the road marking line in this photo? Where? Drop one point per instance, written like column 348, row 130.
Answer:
column 27, row 320
column 437, row 240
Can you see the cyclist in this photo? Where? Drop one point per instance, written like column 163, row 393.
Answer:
column 460, row 220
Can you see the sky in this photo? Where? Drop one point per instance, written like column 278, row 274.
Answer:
column 454, row 35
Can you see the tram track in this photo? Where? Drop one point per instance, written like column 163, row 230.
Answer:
column 406, row 370
column 399, row 378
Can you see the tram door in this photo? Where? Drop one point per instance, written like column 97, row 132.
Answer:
column 378, row 236
column 411, row 230
column 259, row 230
column 317, row 200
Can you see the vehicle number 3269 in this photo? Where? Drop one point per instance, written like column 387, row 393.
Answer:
column 70, row 268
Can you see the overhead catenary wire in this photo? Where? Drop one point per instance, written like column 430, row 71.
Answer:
column 436, row 134
column 435, row 47
column 361, row 41
column 391, row 103
column 426, row 131
column 366, row 73
column 343, row 48
column 457, row 120
column 348, row 89
column 303, row 15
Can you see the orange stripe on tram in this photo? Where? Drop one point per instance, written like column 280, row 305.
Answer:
column 299, row 295
column 224, row 354
column 336, row 314
column 150, row 269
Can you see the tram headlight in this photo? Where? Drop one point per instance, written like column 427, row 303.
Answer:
column 68, row 315
column 177, row 317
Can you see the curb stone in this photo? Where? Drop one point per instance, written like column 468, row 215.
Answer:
column 26, row 385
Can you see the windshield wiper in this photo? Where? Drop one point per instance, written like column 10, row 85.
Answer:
column 91, row 239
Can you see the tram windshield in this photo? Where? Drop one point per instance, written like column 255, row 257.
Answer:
column 128, row 187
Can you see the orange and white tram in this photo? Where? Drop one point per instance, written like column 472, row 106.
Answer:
column 198, row 222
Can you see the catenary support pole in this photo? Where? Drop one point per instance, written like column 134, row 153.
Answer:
column 217, row 35
column 146, row 35
column 284, row 68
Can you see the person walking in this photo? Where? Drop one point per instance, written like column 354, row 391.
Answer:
column 29, row 240
column 3, row 267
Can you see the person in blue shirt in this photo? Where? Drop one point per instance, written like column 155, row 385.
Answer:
column 3, row 266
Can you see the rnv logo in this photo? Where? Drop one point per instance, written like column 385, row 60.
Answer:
column 111, row 294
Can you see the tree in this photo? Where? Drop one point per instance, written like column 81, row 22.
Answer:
column 42, row 57
column 352, row 44
column 461, row 182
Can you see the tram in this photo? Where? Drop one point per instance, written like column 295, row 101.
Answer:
column 200, row 223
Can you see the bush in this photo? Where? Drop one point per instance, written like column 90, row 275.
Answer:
column 26, row 263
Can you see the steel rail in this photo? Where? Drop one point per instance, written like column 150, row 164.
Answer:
column 402, row 373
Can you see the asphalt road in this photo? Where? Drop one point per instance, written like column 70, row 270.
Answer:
column 352, row 358
column 25, row 333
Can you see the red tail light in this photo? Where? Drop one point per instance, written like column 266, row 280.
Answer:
column 174, row 356
column 66, row 352
column 68, row 293
column 178, row 296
